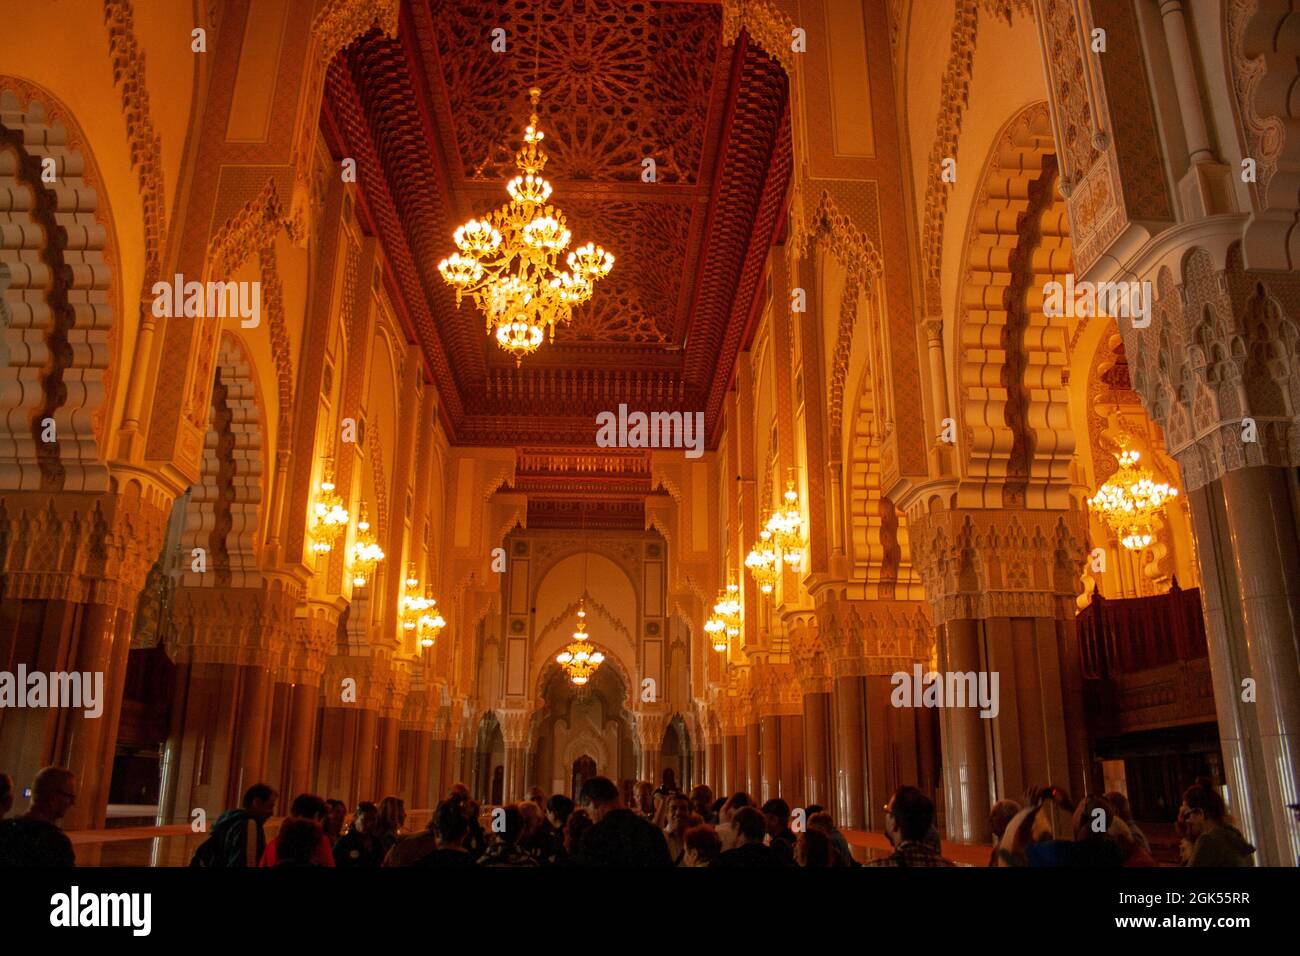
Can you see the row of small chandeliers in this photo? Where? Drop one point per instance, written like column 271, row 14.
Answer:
column 419, row 612
column 780, row 545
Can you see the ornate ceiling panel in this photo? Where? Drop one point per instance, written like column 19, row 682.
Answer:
column 433, row 118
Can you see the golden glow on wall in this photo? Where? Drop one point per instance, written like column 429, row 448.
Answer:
column 508, row 260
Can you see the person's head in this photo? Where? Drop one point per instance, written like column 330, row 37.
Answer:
column 813, row 808
column 392, row 814
column 532, row 817
column 750, row 826
column 459, row 790
column 598, row 796
column 579, row 822
column 297, row 841
column 737, row 800
column 308, row 806
column 1202, row 809
column 776, row 813
column 669, row 779
column 1119, row 803
column 679, row 812
column 6, row 794
column 367, row 816
column 1093, row 818
column 259, row 801
column 558, row 809
column 702, row 845
column 54, row 791
column 450, row 823
column 822, row 821
column 908, row 816
column 702, row 799
column 814, row 848
column 1000, row 815
column 538, row 796
column 336, row 811
column 643, row 797
column 511, row 826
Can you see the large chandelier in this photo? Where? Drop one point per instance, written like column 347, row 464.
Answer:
column 329, row 516
column 419, row 613
column 787, row 530
column 764, row 562
column 724, row 623
column 580, row 659
column 366, row 552
column 508, row 261
column 1132, row 501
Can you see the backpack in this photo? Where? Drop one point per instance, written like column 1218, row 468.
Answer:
column 211, row 853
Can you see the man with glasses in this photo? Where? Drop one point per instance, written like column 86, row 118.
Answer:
column 908, row 817
column 35, row 839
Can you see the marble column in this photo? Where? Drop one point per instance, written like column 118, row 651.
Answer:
column 965, row 759
column 818, row 785
column 849, row 696
column 753, row 761
column 388, row 736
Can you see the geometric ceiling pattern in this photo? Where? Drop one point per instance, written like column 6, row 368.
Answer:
column 433, row 117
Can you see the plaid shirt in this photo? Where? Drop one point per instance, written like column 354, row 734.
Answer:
column 912, row 853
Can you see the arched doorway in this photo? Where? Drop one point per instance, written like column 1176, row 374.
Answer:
column 584, row 768
column 675, row 751
column 489, row 761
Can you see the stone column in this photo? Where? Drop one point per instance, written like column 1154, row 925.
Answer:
column 514, row 728
column 650, row 736
column 818, row 786
column 363, row 786
column 388, row 738
column 849, row 701
column 753, row 759
column 769, row 745
column 965, row 755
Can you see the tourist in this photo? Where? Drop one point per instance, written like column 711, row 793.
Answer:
column 668, row 787
column 392, row 814
column 821, row 820
column 476, row 842
column 297, row 843
column 643, row 801
column 238, row 837
column 702, row 799
column 1001, row 814
column 1123, row 810
column 575, row 827
column 750, row 850
column 726, row 831
column 305, row 806
column 619, row 836
column 6, row 794
column 908, row 819
column 1215, row 841
column 538, row 839
column 35, row 838
column 504, row 850
column 680, row 819
column 1091, row 842
column 412, row 847
column 538, row 796
column 814, row 848
column 336, row 812
column 558, row 809
column 451, row 826
column 776, row 815
column 360, row 846
column 702, row 846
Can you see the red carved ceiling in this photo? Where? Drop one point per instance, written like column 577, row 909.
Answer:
column 433, row 117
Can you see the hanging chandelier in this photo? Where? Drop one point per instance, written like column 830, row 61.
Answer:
column 724, row 623
column 329, row 515
column 366, row 552
column 1132, row 501
column 786, row 528
column 764, row 562
column 580, row 659
column 508, row 261
column 419, row 613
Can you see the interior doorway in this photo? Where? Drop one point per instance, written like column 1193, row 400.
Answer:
column 584, row 768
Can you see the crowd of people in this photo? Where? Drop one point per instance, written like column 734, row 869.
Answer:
column 642, row 826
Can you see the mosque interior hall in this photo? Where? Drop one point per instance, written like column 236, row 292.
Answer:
column 802, row 398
